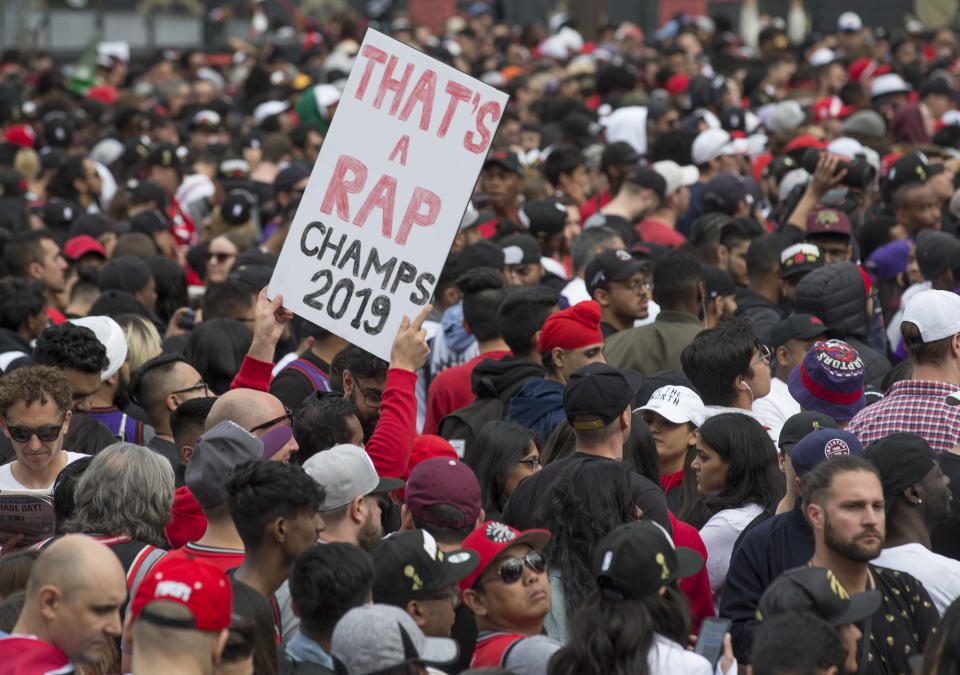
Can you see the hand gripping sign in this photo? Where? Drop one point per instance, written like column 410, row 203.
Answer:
column 387, row 193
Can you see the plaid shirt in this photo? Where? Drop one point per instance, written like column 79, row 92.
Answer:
column 913, row 406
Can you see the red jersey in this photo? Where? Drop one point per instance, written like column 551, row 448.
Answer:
column 491, row 647
column 221, row 558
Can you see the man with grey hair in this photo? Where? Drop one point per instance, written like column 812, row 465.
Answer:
column 585, row 248
column 123, row 500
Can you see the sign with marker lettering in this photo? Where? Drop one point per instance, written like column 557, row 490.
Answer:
column 387, row 193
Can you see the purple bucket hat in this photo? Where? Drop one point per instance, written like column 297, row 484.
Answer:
column 829, row 380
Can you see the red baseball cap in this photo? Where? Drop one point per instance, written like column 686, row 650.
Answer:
column 804, row 141
column 203, row 589
column 677, row 83
column 22, row 135
column 82, row 244
column 493, row 538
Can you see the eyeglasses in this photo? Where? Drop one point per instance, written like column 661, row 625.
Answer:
column 45, row 434
column 196, row 387
column 453, row 596
column 372, row 398
column 220, row 257
column 512, row 570
column 635, row 286
column 285, row 417
column 764, row 353
column 534, row 463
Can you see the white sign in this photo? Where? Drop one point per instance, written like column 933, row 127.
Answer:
column 387, row 193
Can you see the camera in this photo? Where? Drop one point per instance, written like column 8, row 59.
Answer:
column 860, row 174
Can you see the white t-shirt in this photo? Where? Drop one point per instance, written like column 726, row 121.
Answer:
column 775, row 408
column 8, row 482
column 938, row 574
column 667, row 657
column 719, row 534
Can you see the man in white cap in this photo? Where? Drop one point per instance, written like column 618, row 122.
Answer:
column 660, row 225
column 714, row 151
column 850, row 30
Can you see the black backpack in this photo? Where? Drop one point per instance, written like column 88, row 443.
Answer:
column 461, row 427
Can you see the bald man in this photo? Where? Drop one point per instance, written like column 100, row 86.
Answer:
column 256, row 411
column 72, row 608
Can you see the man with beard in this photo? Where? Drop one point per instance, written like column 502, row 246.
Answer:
column 843, row 500
column 350, row 509
column 917, row 497
column 720, row 292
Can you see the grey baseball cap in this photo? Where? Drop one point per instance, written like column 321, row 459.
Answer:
column 346, row 472
column 373, row 638
column 216, row 454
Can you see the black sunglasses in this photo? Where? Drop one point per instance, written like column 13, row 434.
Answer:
column 286, row 416
column 511, row 571
column 46, row 434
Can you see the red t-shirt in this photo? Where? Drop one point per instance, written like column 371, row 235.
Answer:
column 594, row 204
column 24, row 654
column 658, row 232
column 450, row 390
column 221, row 558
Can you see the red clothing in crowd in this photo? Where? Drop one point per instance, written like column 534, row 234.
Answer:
column 658, row 232
column 27, row 654
column 697, row 587
column 450, row 390
column 594, row 204
column 187, row 522
column 222, row 558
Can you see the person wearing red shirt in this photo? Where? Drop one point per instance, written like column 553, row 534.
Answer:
column 483, row 292
column 660, row 225
column 501, row 181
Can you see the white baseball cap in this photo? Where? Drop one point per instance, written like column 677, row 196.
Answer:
column 935, row 313
column 712, row 143
column 110, row 335
column 891, row 83
column 676, row 404
column 850, row 22
column 675, row 175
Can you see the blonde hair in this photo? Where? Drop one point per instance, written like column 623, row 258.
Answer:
column 27, row 163
column 143, row 340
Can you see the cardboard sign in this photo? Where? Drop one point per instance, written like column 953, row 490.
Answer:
column 387, row 193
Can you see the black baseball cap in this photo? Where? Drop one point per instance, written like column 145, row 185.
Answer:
column 799, row 425
column 911, row 168
column 620, row 152
column 646, row 177
column 717, row 283
column 934, row 250
column 799, row 258
column 483, row 253
column 796, row 327
column 816, row 590
column 610, row 265
column 144, row 191
column 596, row 394
column 902, row 460
column 168, row 155
column 723, row 193
column 290, row 175
column 637, row 559
column 59, row 213
column 508, row 160
column 519, row 249
column 409, row 565
column 148, row 222
column 236, row 208
column 544, row 217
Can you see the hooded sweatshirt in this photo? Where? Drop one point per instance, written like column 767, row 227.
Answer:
column 538, row 405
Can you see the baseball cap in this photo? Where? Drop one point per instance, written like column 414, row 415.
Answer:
column 59, row 214
column 935, row 313
column 508, row 160
column 799, row 258
column 828, row 221
column 675, row 175
column 717, row 283
column 785, row 116
column 289, row 176
column 597, row 394
column 442, row 480
column 637, row 559
column 723, row 193
column 849, row 22
column 799, row 425
column 646, row 177
column 910, row 168
column 236, row 208
column 817, row 590
column 619, row 152
column 167, row 155
column 712, row 143
column 820, row 445
column 148, row 222
column 126, row 273
column 491, row 539
column 520, row 249
column 409, row 565
column 202, row 588
column 144, row 191
column 346, row 472
column 572, row 328
column 376, row 638
column 889, row 260
column 610, row 265
column 866, row 123
column 676, row 404
column 934, row 250
column 79, row 246
column 796, row 327
column 902, row 459
column 888, row 83
column 216, row 454
column 829, row 379
column 544, row 217
column 110, row 335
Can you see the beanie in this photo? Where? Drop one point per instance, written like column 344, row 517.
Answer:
column 573, row 328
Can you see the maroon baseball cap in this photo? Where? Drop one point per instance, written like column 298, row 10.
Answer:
column 442, row 480
column 828, row 221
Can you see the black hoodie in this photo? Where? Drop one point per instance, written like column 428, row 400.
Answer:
column 502, row 378
column 14, row 348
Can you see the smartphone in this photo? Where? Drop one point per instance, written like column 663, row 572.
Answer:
column 710, row 640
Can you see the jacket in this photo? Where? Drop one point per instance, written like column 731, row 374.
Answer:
column 654, row 347
column 772, row 547
column 764, row 314
column 502, row 378
column 13, row 349
column 538, row 405
column 836, row 295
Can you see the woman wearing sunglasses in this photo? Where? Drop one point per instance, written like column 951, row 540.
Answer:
column 508, row 594
column 505, row 454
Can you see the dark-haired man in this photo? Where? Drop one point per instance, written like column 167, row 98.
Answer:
column 22, row 319
column 760, row 300
column 311, row 370
column 617, row 282
column 678, row 289
column 325, row 582
column 36, row 256
column 76, row 351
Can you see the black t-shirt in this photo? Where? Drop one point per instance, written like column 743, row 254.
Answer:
column 291, row 386
column 906, row 621
column 251, row 603
column 165, row 448
column 945, row 537
column 522, row 509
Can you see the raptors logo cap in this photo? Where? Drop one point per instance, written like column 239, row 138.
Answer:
column 829, row 380
column 491, row 539
column 820, row 445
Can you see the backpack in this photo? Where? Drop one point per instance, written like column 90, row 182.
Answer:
column 461, row 427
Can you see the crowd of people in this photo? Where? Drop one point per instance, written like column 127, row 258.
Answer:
column 686, row 398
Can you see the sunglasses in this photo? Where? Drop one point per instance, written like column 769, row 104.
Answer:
column 512, row 570
column 286, row 416
column 45, row 434
column 220, row 257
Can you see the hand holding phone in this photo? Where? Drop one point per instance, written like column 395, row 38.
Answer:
column 710, row 640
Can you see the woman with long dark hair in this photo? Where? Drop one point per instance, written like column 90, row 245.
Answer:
column 504, row 454
column 737, row 479
column 942, row 656
column 589, row 499
column 636, row 621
